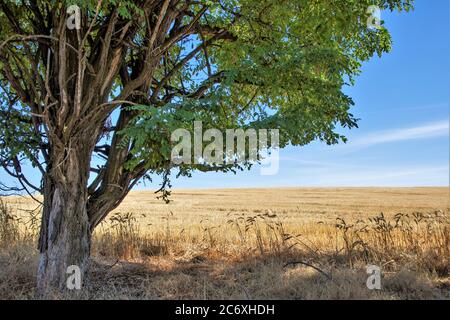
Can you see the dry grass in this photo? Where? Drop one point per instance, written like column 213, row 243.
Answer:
column 253, row 244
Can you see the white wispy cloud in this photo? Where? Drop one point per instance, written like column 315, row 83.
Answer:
column 425, row 131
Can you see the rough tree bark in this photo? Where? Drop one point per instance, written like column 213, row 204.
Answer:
column 65, row 237
column 73, row 208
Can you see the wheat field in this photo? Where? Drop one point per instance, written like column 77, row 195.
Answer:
column 284, row 243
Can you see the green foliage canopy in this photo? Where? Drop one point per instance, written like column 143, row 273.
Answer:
column 276, row 64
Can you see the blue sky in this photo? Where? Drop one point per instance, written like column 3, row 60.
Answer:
column 402, row 100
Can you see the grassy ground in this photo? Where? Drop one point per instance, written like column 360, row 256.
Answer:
column 253, row 244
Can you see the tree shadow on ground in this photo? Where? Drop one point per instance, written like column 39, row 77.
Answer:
column 253, row 277
column 266, row 277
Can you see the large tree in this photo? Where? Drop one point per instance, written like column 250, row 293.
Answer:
column 91, row 106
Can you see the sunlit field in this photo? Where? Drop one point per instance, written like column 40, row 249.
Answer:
column 252, row 244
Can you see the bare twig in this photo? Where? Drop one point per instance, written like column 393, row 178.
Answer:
column 293, row 263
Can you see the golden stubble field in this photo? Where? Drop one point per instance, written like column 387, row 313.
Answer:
column 295, row 206
column 283, row 243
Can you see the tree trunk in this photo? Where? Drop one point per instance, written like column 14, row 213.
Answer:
column 65, row 237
